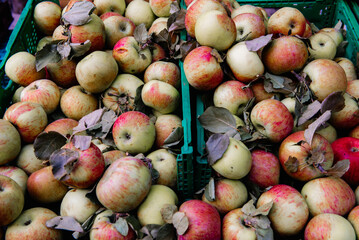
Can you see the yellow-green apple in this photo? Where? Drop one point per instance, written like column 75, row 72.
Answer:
column 329, row 132
column 329, row 226
column 232, row 96
column 353, row 88
column 10, row 142
column 21, row 68
column 165, row 125
column 129, row 55
column 245, row 65
column 47, row 16
column 322, row 46
column 59, row 33
column 16, row 174
column 348, row 117
column 63, row 73
column 289, row 102
column 161, row 96
column 157, row 27
column 31, row 224
column 239, row 121
column 11, row 200
column 29, row 118
column 160, row 19
column 229, row 195
column 76, row 102
column 259, row 91
column 196, row 9
column 124, row 185
column 287, row 21
column 354, row 132
column 149, row 211
column 335, row 34
column 42, row 42
column 231, row 5
column 44, row 92
column 96, row 71
column 215, row 29
column 27, row 160
column 285, row 54
column 103, row 6
column 272, row 119
column 353, row 218
column 265, row 170
column 75, row 204
column 158, row 53
column 328, row 195
column 289, row 212
column 166, row 165
column 167, row 72
column 112, row 156
column 202, row 68
column 161, row 8
column 236, row 161
column 233, row 226
column 43, row 187
column 88, row 168
column 247, row 9
column 63, row 126
column 326, row 77
column 17, row 93
column 117, row 27
column 139, row 11
column 134, row 132
column 249, row 26
column 348, row 67
column 104, row 227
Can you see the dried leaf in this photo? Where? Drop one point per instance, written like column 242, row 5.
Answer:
column 82, row 142
column 341, row 49
column 249, row 208
column 79, row 49
column 167, row 212
column 310, row 131
column 314, row 28
column 217, row 120
column 135, row 225
column 277, row 81
column 139, row 105
column 257, row 43
column 180, row 222
column 121, row 226
column 265, row 234
column 210, row 190
column 339, row 169
column 317, row 156
column 79, row 13
column 339, row 25
column 292, row 164
column 46, row 143
column 64, row 49
column 175, row 137
column 107, row 120
column 88, row 121
column 65, row 223
column 333, row 102
column 141, row 34
column 48, row 54
column 176, row 21
column 150, row 230
column 216, row 146
column 309, row 112
column 264, row 209
column 63, row 161
column 174, row 7
column 166, row 232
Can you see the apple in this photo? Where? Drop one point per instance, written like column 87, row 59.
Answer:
column 16, row 174
column 231, row 5
column 166, row 165
column 160, row 96
column 167, row 72
column 329, row 226
column 149, row 211
column 109, row 14
column 139, row 11
column 326, row 77
column 117, row 27
column 63, row 126
column 134, row 132
column 129, row 55
column 348, row 117
column 260, row 93
column 328, row 195
column 21, row 68
column 112, row 156
column 10, row 142
column 232, row 96
column 322, row 46
column 215, row 29
column 158, row 53
column 233, row 226
column 11, row 200
column 29, row 118
column 202, row 69
column 348, row 67
column 16, row 96
column 265, row 170
column 47, row 16
column 63, row 73
column 249, row 26
column 353, row 218
column 287, row 21
column 353, row 88
column 42, row 42
column 308, row 30
column 245, row 65
column 247, row 9
column 165, row 125
column 75, row 204
column 124, row 185
column 161, row 8
column 354, row 132
column 76, row 102
column 43, row 187
column 27, row 160
column 31, row 224
column 285, row 54
column 157, row 27
column 335, row 34
column 59, row 33
column 289, row 212
column 103, row 6
column 236, row 161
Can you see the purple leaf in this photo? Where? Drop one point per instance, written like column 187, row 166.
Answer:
column 216, row 146
column 62, row 162
column 334, row 102
column 257, row 43
column 310, row 131
column 309, row 112
column 46, row 143
column 82, row 142
column 79, row 13
column 88, row 121
column 65, row 223
column 339, row 169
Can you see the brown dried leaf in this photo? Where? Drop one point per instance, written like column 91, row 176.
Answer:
column 216, row 146
column 264, row 209
column 82, row 142
column 180, row 222
column 167, row 212
column 333, row 102
column 63, row 161
column 210, row 190
column 309, row 112
column 339, row 169
column 46, row 143
column 249, row 208
column 65, row 223
column 312, row 128
column 257, row 43
column 292, row 164
column 79, row 14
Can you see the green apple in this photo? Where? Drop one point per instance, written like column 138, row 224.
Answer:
column 322, row 46
column 166, row 165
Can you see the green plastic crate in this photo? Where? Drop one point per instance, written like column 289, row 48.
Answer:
column 323, row 14
column 25, row 38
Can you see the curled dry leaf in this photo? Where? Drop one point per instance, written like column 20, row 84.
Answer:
column 167, row 212
column 174, row 138
column 79, row 49
column 65, row 223
column 339, row 25
column 78, row 14
column 62, row 162
column 48, row 54
column 217, row 120
column 141, row 34
column 312, row 128
column 258, row 43
column 309, row 112
column 333, row 102
column 121, row 226
column 82, row 142
column 210, row 190
column 180, row 222
column 88, row 121
column 339, row 169
column 216, row 146
column 46, row 143
column 166, row 232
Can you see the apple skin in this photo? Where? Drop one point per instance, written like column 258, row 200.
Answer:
column 265, row 170
column 329, row 226
column 328, row 195
column 348, row 117
column 11, row 200
column 287, row 20
column 308, row 30
column 327, row 76
column 230, row 194
column 260, row 93
column 233, row 227
column 353, row 88
column 112, row 156
column 167, row 72
column 289, row 148
column 149, row 211
column 247, row 8
column 202, row 69
column 273, row 119
column 21, row 69
column 117, row 27
column 139, row 11
column 285, row 54
column 354, row 132
column 335, row 34
column 165, row 125
column 204, row 221
column 161, row 8
column 124, row 185
column 289, row 212
column 58, row 33
column 236, row 161
column 250, row 25
column 16, row 174
column 47, row 17
column 103, row 6
column 158, row 53
column 157, row 27
column 10, row 142
column 106, row 15
column 63, row 73
column 27, row 160
column 31, row 224
column 166, row 165
column 232, row 96
column 134, row 132
column 16, row 96
column 353, row 218
column 63, row 126
column 348, row 67
column 29, row 118
column 322, row 46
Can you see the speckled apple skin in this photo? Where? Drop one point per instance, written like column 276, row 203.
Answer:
column 233, row 229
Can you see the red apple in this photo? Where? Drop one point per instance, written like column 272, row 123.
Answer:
column 287, row 21
column 63, row 126
column 353, row 88
column 63, row 73
column 158, row 53
column 249, row 26
column 233, row 226
column 348, row 117
column 247, row 8
column 10, row 142
column 348, row 67
column 109, row 14
column 167, row 72
column 260, row 93
column 112, row 156
column 117, row 27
